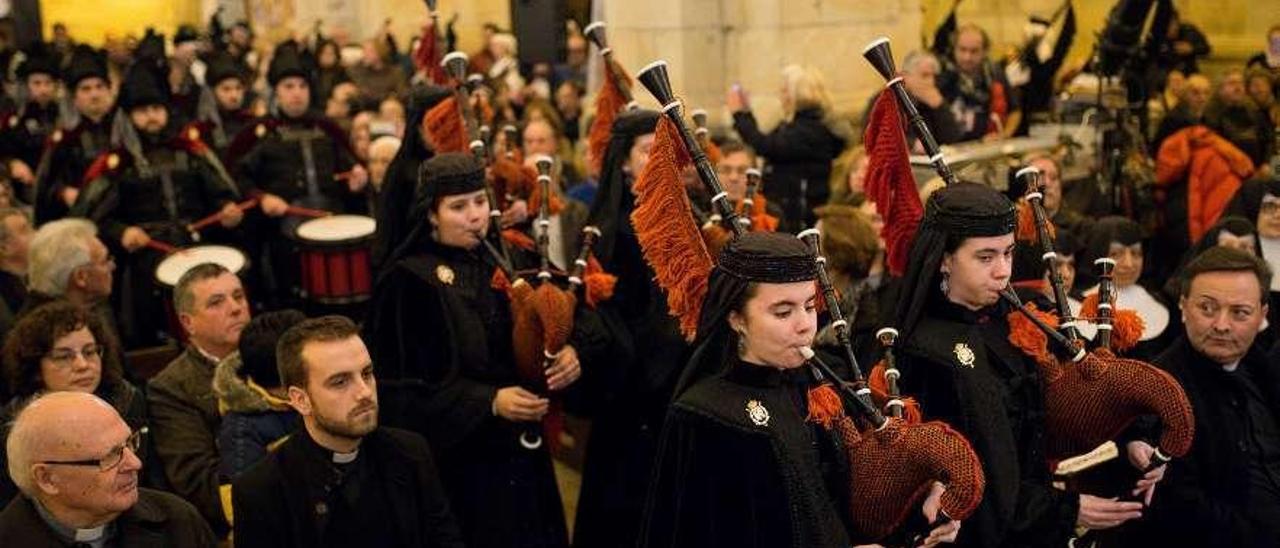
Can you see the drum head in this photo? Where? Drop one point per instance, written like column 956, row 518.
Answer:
column 337, row 228
column 174, row 266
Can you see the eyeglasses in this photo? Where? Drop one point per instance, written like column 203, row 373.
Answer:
column 113, row 458
column 65, row 357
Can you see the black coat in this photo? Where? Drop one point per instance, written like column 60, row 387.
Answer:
column 71, row 152
column 130, row 194
column 630, row 393
column 23, row 133
column 1205, row 497
column 441, row 336
column 727, row 477
column 157, row 520
column 273, row 506
column 798, row 156
column 993, row 395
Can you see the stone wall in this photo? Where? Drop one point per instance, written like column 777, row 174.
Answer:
column 713, row 44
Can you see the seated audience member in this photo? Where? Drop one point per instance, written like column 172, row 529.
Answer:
column 1230, row 231
column 1261, row 90
column 1055, row 203
column 1226, row 491
column 1238, row 119
column 1121, row 240
column 381, row 151
column 340, row 480
column 568, row 98
column 735, row 159
column 255, row 407
column 855, row 258
column 76, row 462
column 61, row 347
column 15, row 242
column 210, row 303
column 67, row 260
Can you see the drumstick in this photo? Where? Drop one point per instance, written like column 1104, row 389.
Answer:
column 166, row 248
column 216, row 217
column 306, row 212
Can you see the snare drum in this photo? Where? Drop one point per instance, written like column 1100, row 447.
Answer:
column 172, row 267
column 335, row 253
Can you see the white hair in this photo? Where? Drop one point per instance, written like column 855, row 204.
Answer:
column 915, row 59
column 57, row 249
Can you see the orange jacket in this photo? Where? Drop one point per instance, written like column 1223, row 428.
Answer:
column 1212, row 167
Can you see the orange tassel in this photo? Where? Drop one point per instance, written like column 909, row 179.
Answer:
column 671, row 241
column 519, row 239
column 877, row 381
column 500, row 282
column 1126, row 325
column 599, row 283
column 1089, row 307
column 825, row 406
column 1126, row 329
column 715, row 237
column 879, row 385
column 712, row 151
column 609, row 102
column 1028, row 338
column 443, row 125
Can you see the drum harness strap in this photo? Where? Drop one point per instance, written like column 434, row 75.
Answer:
column 304, row 138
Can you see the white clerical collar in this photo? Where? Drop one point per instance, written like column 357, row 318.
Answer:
column 91, row 535
column 1231, row 367
column 345, row 458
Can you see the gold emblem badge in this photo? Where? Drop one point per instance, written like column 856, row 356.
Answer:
column 965, row 355
column 113, row 160
column 757, row 413
column 260, row 130
column 445, row 274
column 193, row 134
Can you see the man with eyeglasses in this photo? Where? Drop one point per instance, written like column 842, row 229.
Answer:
column 340, row 480
column 74, row 460
column 1226, row 491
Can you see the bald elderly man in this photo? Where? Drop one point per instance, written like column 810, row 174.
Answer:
column 75, row 461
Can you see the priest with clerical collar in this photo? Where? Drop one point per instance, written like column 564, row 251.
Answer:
column 1226, row 491
column 340, row 480
column 76, row 463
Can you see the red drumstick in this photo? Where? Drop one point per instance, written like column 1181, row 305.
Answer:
column 216, row 217
column 307, row 212
column 166, row 248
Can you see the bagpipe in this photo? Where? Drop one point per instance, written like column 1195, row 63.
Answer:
column 1094, row 396
column 919, row 453
column 895, row 464
column 614, row 96
column 544, row 301
column 1090, row 397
